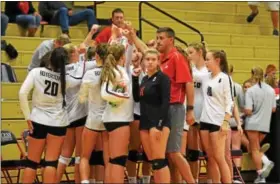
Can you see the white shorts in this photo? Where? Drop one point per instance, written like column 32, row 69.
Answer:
column 186, row 126
column 271, row 6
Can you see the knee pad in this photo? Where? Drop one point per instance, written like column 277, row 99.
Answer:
column 31, row 164
column 133, row 156
column 145, row 157
column 77, row 160
column 193, row 155
column 121, row 160
column 64, row 160
column 159, row 163
column 96, row 158
column 51, row 163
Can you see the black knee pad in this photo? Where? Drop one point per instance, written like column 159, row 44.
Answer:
column 31, row 164
column 193, row 155
column 133, row 156
column 145, row 158
column 51, row 163
column 121, row 160
column 96, row 158
column 159, row 164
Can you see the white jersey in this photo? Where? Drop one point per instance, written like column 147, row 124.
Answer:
column 218, row 99
column 75, row 73
column 119, row 106
column 46, row 99
column 240, row 99
column 90, row 91
column 198, row 78
column 137, row 104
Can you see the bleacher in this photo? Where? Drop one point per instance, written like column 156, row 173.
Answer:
column 223, row 25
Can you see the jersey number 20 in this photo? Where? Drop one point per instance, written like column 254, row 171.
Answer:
column 52, row 88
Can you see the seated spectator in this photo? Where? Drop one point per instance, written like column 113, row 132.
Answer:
column 270, row 71
column 4, row 23
column 56, row 12
column 273, row 7
column 45, row 47
column 24, row 14
column 117, row 20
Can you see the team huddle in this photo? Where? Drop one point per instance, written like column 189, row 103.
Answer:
column 111, row 101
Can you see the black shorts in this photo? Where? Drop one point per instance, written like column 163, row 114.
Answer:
column 41, row 131
column 111, row 126
column 136, row 117
column 209, row 127
column 78, row 123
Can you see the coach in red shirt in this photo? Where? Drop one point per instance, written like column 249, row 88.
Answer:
column 174, row 64
column 117, row 20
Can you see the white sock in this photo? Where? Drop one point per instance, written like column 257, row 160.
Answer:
column 196, row 180
column 259, row 172
column 209, row 181
column 92, row 181
column 265, row 160
column 132, row 180
column 146, row 179
column 99, row 182
column 85, row 181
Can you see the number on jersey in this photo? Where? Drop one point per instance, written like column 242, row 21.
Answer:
column 51, row 89
column 197, row 84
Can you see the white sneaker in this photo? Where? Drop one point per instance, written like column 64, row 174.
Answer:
column 260, row 180
column 266, row 169
column 237, row 181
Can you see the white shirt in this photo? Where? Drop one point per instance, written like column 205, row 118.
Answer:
column 90, row 91
column 75, row 73
column 198, row 78
column 46, row 99
column 218, row 99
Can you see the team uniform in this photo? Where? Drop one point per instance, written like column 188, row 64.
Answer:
column 119, row 107
column 198, row 78
column 77, row 112
column 137, row 104
column 218, row 100
column 153, row 94
column 260, row 100
column 47, row 115
column 90, row 92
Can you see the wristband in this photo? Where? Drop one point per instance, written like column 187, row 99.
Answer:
column 189, row 107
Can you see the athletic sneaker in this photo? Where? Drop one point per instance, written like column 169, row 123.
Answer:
column 265, row 147
column 275, row 32
column 237, row 181
column 260, row 180
column 266, row 169
column 251, row 17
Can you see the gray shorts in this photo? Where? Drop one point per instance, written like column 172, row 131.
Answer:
column 176, row 116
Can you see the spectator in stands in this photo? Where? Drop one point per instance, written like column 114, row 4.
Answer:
column 4, row 23
column 45, row 47
column 56, row 12
column 270, row 71
column 273, row 7
column 24, row 14
column 117, row 20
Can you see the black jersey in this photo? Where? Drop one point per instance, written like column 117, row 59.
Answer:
column 154, row 97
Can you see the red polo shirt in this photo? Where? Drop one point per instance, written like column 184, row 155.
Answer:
column 175, row 66
column 104, row 35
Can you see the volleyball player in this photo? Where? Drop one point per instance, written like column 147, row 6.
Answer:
column 259, row 104
column 90, row 92
column 116, row 90
column 154, row 95
column 217, row 110
column 77, row 112
column 196, row 55
column 135, row 143
column 175, row 66
column 48, row 119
